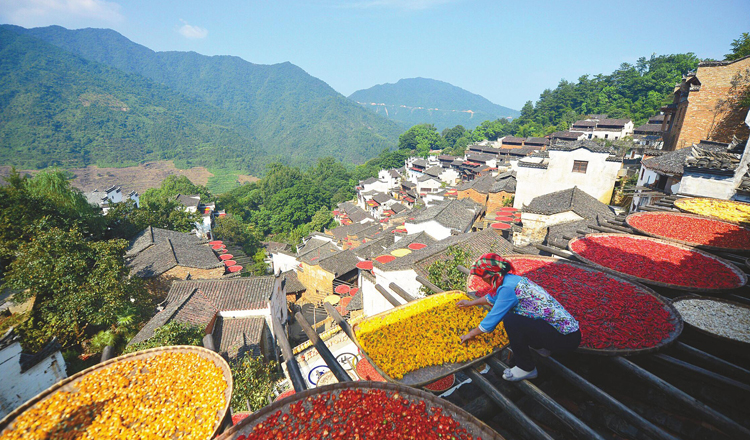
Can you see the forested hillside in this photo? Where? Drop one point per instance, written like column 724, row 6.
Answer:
column 293, row 115
column 632, row 91
column 414, row 101
column 59, row 109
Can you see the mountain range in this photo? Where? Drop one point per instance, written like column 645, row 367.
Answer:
column 91, row 96
column 414, row 101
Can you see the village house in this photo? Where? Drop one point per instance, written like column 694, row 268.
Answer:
column 391, row 178
column 486, row 159
column 650, row 133
column 511, row 142
column 590, row 166
column 536, row 142
column 602, row 127
column 705, row 106
column 348, row 213
column 24, row 375
column 445, row 219
column 161, row 256
column 428, row 184
column 502, row 191
column 476, row 190
column 559, row 207
column 567, row 136
column 447, row 175
column 236, row 313
column 192, row 203
column 708, row 169
column 113, row 194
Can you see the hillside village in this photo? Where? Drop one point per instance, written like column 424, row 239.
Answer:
column 513, row 195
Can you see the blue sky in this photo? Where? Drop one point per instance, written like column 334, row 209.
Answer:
column 508, row 52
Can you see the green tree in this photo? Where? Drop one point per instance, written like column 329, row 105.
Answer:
column 253, row 382
column 740, row 47
column 233, row 229
column 423, row 138
column 174, row 185
column 125, row 220
column 445, row 273
column 173, row 333
column 452, row 135
column 78, row 285
column 48, row 198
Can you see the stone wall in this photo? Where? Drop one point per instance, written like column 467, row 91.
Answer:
column 317, row 281
column 473, row 195
column 703, row 119
column 495, row 200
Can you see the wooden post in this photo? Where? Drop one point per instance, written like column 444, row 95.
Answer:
column 401, row 292
column 425, row 282
column 292, row 368
column 390, row 298
column 323, row 351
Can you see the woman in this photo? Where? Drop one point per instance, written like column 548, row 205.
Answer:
column 531, row 316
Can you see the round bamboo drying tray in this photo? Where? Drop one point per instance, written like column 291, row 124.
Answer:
column 680, row 204
column 732, row 341
column 69, row 384
column 675, row 316
column 473, row 426
column 675, row 240
column 425, row 375
column 740, row 274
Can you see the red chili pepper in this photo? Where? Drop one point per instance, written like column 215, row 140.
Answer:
column 656, row 261
column 698, row 231
column 612, row 314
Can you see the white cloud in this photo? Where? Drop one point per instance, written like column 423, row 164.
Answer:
column 46, row 12
column 192, row 32
column 396, row 4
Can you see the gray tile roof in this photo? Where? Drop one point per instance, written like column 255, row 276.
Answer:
column 233, row 337
column 434, row 171
column 356, row 302
column 571, row 199
column 394, row 173
column 567, row 135
column 536, row 141
column 339, row 263
column 656, row 119
column 151, row 236
column 426, row 177
column 292, row 283
column 159, row 258
column 505, row 182
column 454, row 214
column 188, row 200
column 197, row 301
column 373, row 248
column 359, row 215
column 648, row 129
column 343, row 231
column 588, row 144
column 672, row 162
column 703, row 160
column 513, row 140
column 381, row 197
column 480, row 157
column 369, row 181
column 405, row 241
column 398, row 208
column 482, row 184
column 445, row 157
column 313, row 256
column 420, row 163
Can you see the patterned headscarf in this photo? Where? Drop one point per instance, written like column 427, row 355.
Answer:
column 491, row 263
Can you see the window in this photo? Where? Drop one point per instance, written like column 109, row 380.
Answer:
column 643, row 171
column 579, row 166
column 606, row 136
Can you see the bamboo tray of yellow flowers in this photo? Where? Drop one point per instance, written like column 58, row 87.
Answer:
column 419, row 342
column 179, row 392
column 727, row 210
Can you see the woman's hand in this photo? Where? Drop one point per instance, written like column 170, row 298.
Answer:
column 463, row 304
column 474, row 332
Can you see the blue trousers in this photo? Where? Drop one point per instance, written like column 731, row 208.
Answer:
column 525, row 333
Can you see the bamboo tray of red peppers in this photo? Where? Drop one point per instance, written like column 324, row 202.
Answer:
column 658, row 262
column 365, row 410
column 692, row 230
column 616, row 316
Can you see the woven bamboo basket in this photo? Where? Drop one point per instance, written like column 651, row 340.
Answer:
column 740, row 274
column 674, row 315
column 704, row 247
column 69, row 384
column 731, row 341
column 423, row 375
column 473, row 426
column 681, row 205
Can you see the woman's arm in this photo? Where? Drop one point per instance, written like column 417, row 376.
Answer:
column 506, row 300
column 481, row 301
